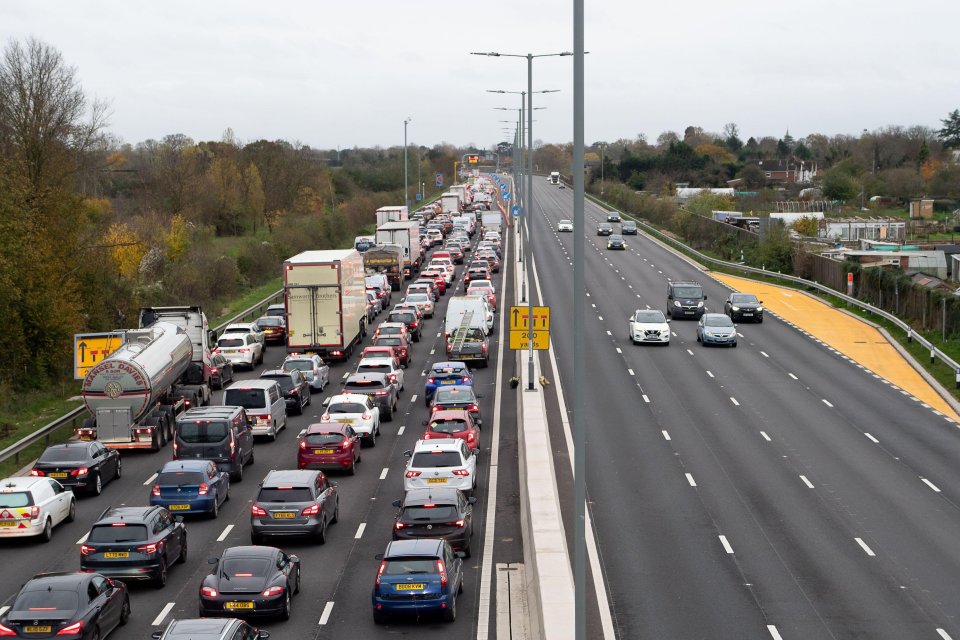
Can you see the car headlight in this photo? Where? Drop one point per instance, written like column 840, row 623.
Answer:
column 676, row 303
column 700, row 304
column 759, row 309
column 735, row 308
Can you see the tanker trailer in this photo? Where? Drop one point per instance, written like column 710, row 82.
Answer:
column 135, row 395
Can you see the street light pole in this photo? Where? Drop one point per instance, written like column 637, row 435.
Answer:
column 579, row 340
column 602, row 148
column 406, row 183
column 528, row 216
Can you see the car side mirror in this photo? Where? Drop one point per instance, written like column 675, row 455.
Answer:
column 704, row 297
column 156, row 635
column 379, row 556
column 178, row 518
column 213, row 560
column 424, row 423
column 761, row 302
column 472, row 500
column 668, row 320
column 334, row 484
column 301, row 434
column 460, row 554
column 407, row 453
column 295, row 559
column 479, row 395
column 396, row 503
column 263, row 635
column 669, row 296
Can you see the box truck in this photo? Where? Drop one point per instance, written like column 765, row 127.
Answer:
column 326, row 302
column 407, row 235
column 392, row 214
column 450, row 203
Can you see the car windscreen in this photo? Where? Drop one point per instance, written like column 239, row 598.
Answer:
column 230, row 342
column 346, row 407
column 16, row 499
column 52, row 600
column 245, row 567
column 744, row 298
column 687, row 292
column 293, row 494
column 246, row 398
column 453, row 395
column 203, row 432
column 180, row 478
column 285, row 382
column 435, row 459
column 318, row 439
column 66, row 454
column 300, row 365
column 125, row 533
column 437, row 513
column 649, row 316
column 448, row 426
column 718, row 321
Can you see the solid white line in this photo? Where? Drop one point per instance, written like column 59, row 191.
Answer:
column 413, row 398
column 764, row 354
column 163, row 614
column 765, row 436
column 400, row 430
column 383, row 474
column 827, row 402
column 931, row 485
column 864, row 546
column 618, row 350
column 646, row 399
column 726, row 545
column 807, row 482
column 734, row 401
column 710, row 374
column 943, row 634
column 774, row 633
column 630, row 371
column 690, row 479
column 872, row 439
column 327, row 610
column 793, row 376
column 226, row 532
column 150, row 479
column 81, row 540
column 359, row 534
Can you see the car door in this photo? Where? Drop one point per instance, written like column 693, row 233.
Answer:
column 470, row 460
column 108, row 599
column 244, row 437
column 395, row 365
column 108, row 466
column 327, row 495
column 165, row 529
column 323, row 371
column 54, row 499
column 286, row 567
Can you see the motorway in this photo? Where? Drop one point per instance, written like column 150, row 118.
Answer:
column 776, row 490
column 337, row 577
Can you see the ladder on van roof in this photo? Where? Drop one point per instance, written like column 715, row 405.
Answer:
column 460, row 335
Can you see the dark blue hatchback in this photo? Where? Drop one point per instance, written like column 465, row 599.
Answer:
column 418, row 577
column 445, row 374
column 191, row 486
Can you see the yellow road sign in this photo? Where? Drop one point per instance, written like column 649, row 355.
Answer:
column 520, row 318
column 91, row 348
column 521, row 339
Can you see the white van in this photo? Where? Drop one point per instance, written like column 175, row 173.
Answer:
column 264, row 402
column 458, row 306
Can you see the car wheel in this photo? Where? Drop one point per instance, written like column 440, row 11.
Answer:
column 256, row 538
column 299, row 408
column 125, row 611
column 372, row 441
column 250, row 460
column 388, row 417
column 450, row 613
column 379, row 617
column 160, row 580
column 734, row 345
column 759, row 319
column 47, row 532
column 466, row 550
column 238, row 474
column 273, row 436
column 309, row 398
column 352, row 471
column 182, row 558
column 336, row 513
column 215, row 512
column 322, row 533
column 97, row 487
column 96, row 634
column 285, row 614
column 226, row 498
column 296, row 590
column 72, row 511
column 119, row 471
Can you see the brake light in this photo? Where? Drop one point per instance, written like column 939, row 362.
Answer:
column 34, row 513
column 257, row 510
column 458, row 523
column 380, row 393
column 393, row 377
column 37, row 472
column 156, row 490
column 463, row 473
column 464, row 380
column 471, row 437
column 312, row 510
column 443, row 573
column 366, row 416
column 7, row 632
column 208, row 592
column 473, row 407
column 383, row 565
column 269, row 592
column 72, row 630
column 303, row 444
column 434, row 408
column 426, row 436
column 204, row 489
column 398, row 525
column 431, row 380
column 412, row 474
column 483, row 347
column 414, row 324
column 215, row 351
column 296, row 391
column 214, row 370
column 86, row 550
column 243, row 350
column 233, row 445
column 149, row 549
column 346, row 444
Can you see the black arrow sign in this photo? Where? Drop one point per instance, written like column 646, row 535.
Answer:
column 516, row 317
column 83, row 351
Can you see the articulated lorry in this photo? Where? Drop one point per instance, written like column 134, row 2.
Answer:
column 326, row 299
column 386, row 259
column 407, row 235
column 450, row 203
column 397, row 213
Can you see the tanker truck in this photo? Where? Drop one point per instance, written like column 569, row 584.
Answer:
column 135, row 395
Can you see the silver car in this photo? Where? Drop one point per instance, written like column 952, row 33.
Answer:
column 313, row 368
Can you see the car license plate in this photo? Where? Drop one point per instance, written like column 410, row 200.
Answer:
column 238, row 605
column 448, row 382
column 58, row 474
column 116, row 554
column 411, row 586
column 436, row 481
column 179, row 507
column 284, row 514
column 8, row 523
column 322, row 452
column 345, row 421
column 746, row 314
column 35, row 629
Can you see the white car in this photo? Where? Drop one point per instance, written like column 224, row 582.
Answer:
column 423, row 301
column 356, row 410
column 247, row 327
column 31, row 506
column 378, row 364
column 565, row 225
column 447, row 265
column 441, row 463
column 649, row 325
column 312, row 366
column 240, row 349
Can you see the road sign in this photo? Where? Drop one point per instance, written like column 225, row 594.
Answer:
column 91, row 348
column 473, row 159
column 503, row 186
column 515, row 209
column 520, row 317
column 506, row 195
column 439, row 178
column 520, row 340
column 419, row 197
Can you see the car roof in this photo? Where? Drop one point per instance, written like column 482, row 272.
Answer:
column 54, row 579
column 348, row 397
column 415, row 497
column 427, row 547
column 221, row 411
column 325, row 427
column 281, row 477
column 368, row 375
column 252, row 383
column 69, row 445
column 458, row 387
column 239, row 325
column 715, row 316
column 185, row 465
column 446, row 414
column 447, row 365
column 249, row 551
column 25, row 483
column 278, row 373
column 444, row 444
column 186, row 628
column 300, row 356
column 125, row 514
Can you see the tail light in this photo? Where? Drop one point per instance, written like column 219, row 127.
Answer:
column 37, row 472
column 325, row 418
column 86, row 550
column 208, row 592
column 7, row 632
column 383, row 565
column 464, row 380
column 233, row 445
column 203, row 489
column 295, row 391
column 74, row 629
column 412, row 474
column 474, row 408
column 431, row 380
column 443, row 573
column 414, row 324
column 257, row 510
column 34, row 512
column 214, row 369
column 312, row 510
column 458, row 523
column 398, row 525
column 426, row 436
column 82, row 471
column 449, row 347
column 471, row 437
column 366, row 416
column 346, row 444
column 434, row 408
column 269, row 592
column 244, row 350
column 380, row 393
column 149, row 549
column 215, row 351
column 303, row 444
column 483, row 347
column 462, row 473
column 393, row 377
column 156, row 490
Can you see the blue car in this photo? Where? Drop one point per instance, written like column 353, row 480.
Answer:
column 446, row 374
column 418, row 577
column 191, row 486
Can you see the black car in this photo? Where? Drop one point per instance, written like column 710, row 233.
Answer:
column 73, row 606
column 438, row 512
column 604, row 229
column 613, row 216
column 221, row 371
column 616, row 242
column 250, row 581
column 409, row 318
column 379, row 387
column 685, row 300
column 629, row 228
column 135, row 543
column 221, row 434
column 79, row 465
column 210, row 629
column 295, row 387
column 457, row 397
column 744, row 306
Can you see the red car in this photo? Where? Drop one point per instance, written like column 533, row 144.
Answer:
column 329, row 445
column 400, row 345
column 453, row 423
column 274, row 328
column 438, row 277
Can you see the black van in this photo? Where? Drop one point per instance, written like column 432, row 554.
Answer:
column 220, row 434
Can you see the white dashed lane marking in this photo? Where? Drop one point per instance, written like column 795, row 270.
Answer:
column 866, row 549
column 150, row 479
column 383, row 474
column 765, row 436
column 690, row 480
column 872, row 439
column 163, row 614
column 666, row 436
column 359, row 534
column 807, row 482
column 734, row 401
column 931, row 485
column 327, row 610
column 226, row 532
column 726, row 545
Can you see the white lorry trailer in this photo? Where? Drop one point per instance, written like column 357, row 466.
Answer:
column 392, row 214
column 491, row 221
column 450, row 203
column 407, row 235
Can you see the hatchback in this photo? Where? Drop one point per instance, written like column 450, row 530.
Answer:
column 191, row 486
column 294, row 503
column 329, row 445
column 447, row 462
column 379, row 387
column 409, row 318
column 453, row 423
column 398, row 343
column 356, row 410
column 445, row 374
column 457, row 397
column 312, row 366
column 716, row 328
column 417, row 577
column 274, row 329
column 438, row 512
column 210, row 629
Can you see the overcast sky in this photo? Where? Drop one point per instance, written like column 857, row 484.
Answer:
column 347, row 73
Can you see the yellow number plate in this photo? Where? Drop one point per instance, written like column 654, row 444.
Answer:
column 285, row 514
column 179, row 507
column 321, row 452
column 345, row 421
column 436, row 481
column 238, row 605
column 116, row 554
column 58, row 474
column 7, row 523
column 38, row 629
column 412, row 586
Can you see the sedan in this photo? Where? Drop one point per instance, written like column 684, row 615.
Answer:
column 716, row 328
column 648, row 325
column 616, row 242
column 79, row 465
column 743, row 306
column 221, row 371
column 329, row 445
column 565, row 225
column 274, row 329
column 72, row 606
column 250, row 581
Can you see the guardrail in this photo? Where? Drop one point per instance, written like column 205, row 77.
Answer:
column 935, row 352
column 70, row 419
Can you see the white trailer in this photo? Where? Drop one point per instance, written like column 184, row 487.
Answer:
column 491, row 221
column 392, row 214
column 407, row 235
column 326, row 301
column 450, row 203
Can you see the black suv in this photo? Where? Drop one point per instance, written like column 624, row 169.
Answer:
column 685, row 300
column 438, row 512
column 380, row 389
column 409, row 318
column 134, row 543
column 220, row 434
column 293, row 384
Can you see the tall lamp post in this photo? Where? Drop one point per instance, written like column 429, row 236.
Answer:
column 602, row 145
column 406, row 183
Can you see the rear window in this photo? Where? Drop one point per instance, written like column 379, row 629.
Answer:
column 230, row 342
column 245, row 567
column 449, row 426
column 388, row 341
column 403, row 566
column 363, row 385
column 438, row 513
column 301, row 365
column 448, row 373
column 71, row 454
column 203, row 433
column 126, row 533
column 246, row 398
column 293, row 494
column 391, row 331
column 324, row 438
column 180, row 478
column 346, row 407
column 374, row 368
column 16, row 499
column 275, row 321
column 55, row 600
column 453, row 395
column 406, row 318
column 285, row 382
column 434, row 459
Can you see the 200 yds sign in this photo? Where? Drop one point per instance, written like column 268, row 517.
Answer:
column 521, row 339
